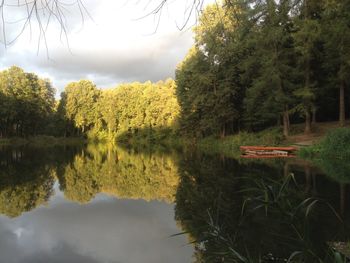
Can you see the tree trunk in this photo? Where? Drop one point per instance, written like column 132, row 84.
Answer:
column 223, row 131
column 314, row 115
column 285, row 123
column 307, row 122
column 342, row 105
column 342, row 199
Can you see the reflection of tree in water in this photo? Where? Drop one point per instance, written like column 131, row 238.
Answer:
column 27, row 176
column 16, row 199
column 26, row 181
column 338, row 171
column 252, row 213
column 120, row 173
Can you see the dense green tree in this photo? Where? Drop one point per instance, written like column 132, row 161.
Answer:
column 278, row 57
column 130, row 108
column 26, row 102
column 254, row 64
column 271, row 93
column 191, row 75
column 209, row 87
column 79, row 102
column 336, row 34
column 307, row 39
column 107, row 106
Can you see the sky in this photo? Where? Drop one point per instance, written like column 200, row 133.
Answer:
column 104, row 230
column 114, row 42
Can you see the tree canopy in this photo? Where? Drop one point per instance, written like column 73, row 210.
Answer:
column 254, row 64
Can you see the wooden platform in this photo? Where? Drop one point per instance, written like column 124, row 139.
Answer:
column 268, row 152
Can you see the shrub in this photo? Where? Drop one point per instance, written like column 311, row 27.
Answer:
column 336, row 144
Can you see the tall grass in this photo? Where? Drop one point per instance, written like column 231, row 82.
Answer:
column 335, row 145
column 230, row 145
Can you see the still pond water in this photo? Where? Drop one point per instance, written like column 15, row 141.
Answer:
column 105, row 204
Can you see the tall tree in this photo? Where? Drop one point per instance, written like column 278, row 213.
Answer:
column 307, row 43
column 80, row 104
column 27, row 102
column 209, row 87
column 336, row 32
column 271, row 93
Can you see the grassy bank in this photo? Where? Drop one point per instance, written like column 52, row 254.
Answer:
column 335, row 145
column 229, row 145
column 42, row 141
column 331, row 155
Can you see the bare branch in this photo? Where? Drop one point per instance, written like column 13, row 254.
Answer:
column 38, row 14
column 193, row 8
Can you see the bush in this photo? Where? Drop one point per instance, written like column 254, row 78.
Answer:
column 336, row 145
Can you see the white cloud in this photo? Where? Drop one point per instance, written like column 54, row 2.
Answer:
column 116, row 46
column 105, row 230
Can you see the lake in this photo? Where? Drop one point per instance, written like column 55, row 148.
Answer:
column 98, row 203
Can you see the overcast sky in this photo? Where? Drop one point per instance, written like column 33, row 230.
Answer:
column 105, row 230
column 117, row 45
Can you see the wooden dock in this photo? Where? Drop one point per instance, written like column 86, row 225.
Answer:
column 268, row 152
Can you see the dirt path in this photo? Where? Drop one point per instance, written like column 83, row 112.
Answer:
column 298, row 138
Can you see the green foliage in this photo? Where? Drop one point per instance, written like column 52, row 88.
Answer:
column 136, row 106
column 254, row 64
column 208, row 86
column 271, row 92
column 334, row 146
column 26, row 102
column 79, row 103
column 331, row 154
column 230, row 144
column 120, row 112
column 258, row 63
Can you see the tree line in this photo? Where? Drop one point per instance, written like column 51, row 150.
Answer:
column 26, row 103
column 258, row 63
column 254, row 64
column 28, row 107
column 127, row 109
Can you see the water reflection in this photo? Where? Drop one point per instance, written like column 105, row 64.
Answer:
column 231, row 210
column 26, row 181
column 40, row 194
column 27, row 175
column 119, row 173
column 259, row 211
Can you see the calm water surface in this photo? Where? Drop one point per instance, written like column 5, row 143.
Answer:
column 105, row 204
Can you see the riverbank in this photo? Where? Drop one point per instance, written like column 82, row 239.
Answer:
column 334, row 145
column 229, row 146
column 42, row 141
column 325, row 136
